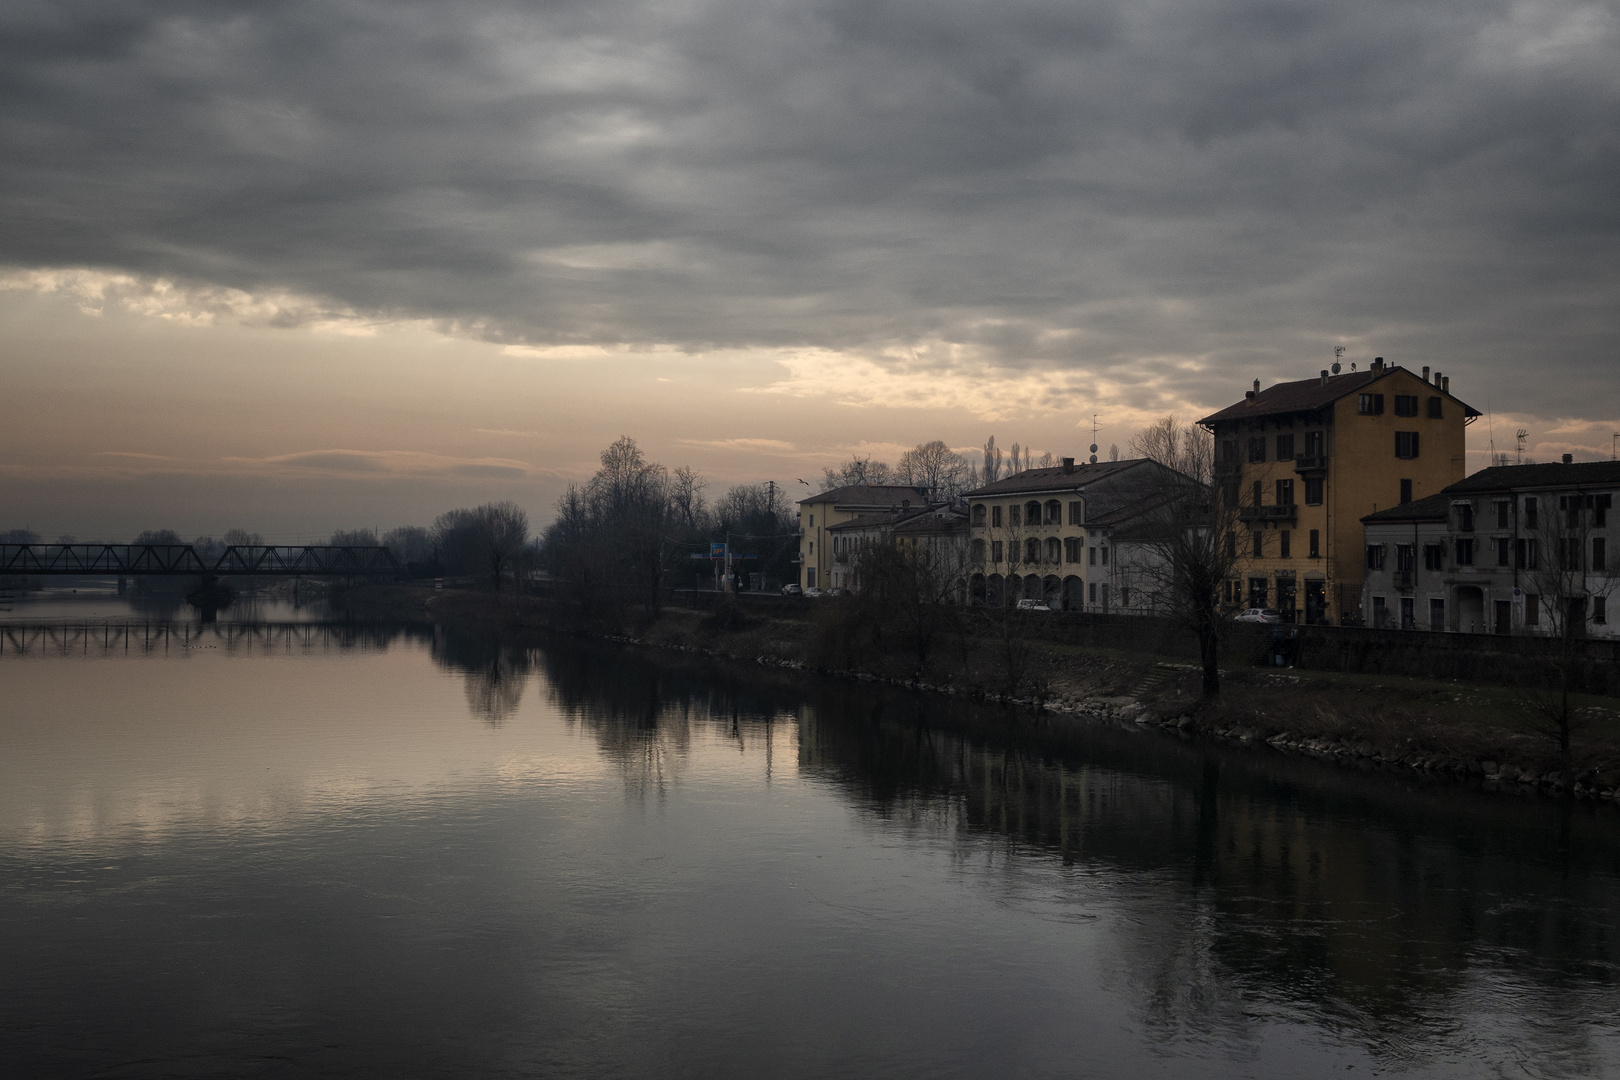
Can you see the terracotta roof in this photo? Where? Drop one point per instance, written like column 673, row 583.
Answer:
column 1550, row 474
column 1430, row 508
column 1055, row 478
column 922, row 519
column 1307, row 395
column 874, row 495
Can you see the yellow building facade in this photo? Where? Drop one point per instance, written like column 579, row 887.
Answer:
column 1303, row 462
column 818, row 513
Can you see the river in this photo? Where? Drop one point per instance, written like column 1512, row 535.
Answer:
column 272, row 846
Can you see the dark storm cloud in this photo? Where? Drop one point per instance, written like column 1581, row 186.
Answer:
column 1074, row 184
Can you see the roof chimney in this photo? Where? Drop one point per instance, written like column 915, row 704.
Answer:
column 1324, row 376
column 1378, row 365
column 1068, row 464
column 1425, row 372
column 1447, row 387
column 1257, row 386
column 1569, row 459
column 1249, row 396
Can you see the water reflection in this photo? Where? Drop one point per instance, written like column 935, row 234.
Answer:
column 810, row 877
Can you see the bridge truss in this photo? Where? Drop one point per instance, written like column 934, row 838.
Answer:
column 177, row 560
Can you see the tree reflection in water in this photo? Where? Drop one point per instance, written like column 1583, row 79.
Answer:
column 1374, row 906
column 495, row 672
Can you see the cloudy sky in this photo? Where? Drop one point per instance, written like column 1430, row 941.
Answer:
column 301, row 265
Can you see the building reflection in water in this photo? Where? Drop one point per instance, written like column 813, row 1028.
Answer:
column 1367, row 904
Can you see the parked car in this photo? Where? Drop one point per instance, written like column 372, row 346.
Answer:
column 812, row 592
column 838, row 592
column 792, row 589
column 1032, row 605
column 1259, row 615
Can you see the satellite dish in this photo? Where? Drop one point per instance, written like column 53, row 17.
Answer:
column 1094, row 459
column 1093, row 448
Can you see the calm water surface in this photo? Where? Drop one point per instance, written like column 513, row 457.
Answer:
column 267, row 848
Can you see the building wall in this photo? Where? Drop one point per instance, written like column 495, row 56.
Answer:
column 1365, row 475
column 1069, row 531
column 815, row 544
column 1362, row 475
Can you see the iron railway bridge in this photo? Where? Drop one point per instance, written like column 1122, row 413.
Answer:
column 183, row 560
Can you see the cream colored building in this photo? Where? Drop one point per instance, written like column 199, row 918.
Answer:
column 1044, row 534
column 818, row 513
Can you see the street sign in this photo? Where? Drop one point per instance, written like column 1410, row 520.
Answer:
column 717, row 550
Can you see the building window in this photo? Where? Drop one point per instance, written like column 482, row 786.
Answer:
column 1380, row 612
column 1076, row 514
column 1408, row 617
column 1437, row 614
column 978, row 514
column 1600, row 555
column 1526, row 555
column 1032, row 550
column 810, row 577
column 1571, row 505
column 1032, row 513
column 1600, row 610
column 1434, row 556
column 1532, row 609
column 1105, row 556
column 1257, row 449
column 1259, row 545
column 1313, row 491
column 1229, row 452
column 1375, row 556
column 1092, row 557
column 1465, row 516
column 1093, row 591
column 1257, row 493
column 1530, row 512
column 1054, row 512
column 1405, row 557
column 1571, row 553
column 1406, row 405
column 1372, row 404
column 1015, row 515
column 1316, row 543
column 1406, row 444
column 1436, row 410
column 1285, row 493
column 1600, row 509
column 995, row 517
column 1501, row 551
column 1071, row 549
column 1315, row 444
column 1283, row 550
column 1285, row 448
column 1231, row 544
column 1465, row 552
column 995, row 551
column 1257, row 592
column 1054, row 550
column 1406, row 492
column 1502, row 519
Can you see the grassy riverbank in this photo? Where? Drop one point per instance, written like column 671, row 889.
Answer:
column 1382, row 721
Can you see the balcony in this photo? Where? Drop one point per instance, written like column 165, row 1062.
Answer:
column 1268, row 513
column 1310, row 463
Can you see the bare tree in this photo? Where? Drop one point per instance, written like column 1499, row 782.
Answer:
column 1187, row 551
column 1567, row 574
column 934, row 467
column 992, row 461
column 481, row 540
column 856, row 471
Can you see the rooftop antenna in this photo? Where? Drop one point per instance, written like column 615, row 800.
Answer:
column 1518, row 445
column 1094, row 438
column 1338, row 356
column 1490, row 432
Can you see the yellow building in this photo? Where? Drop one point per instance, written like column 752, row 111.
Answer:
column 1303, row 462
column 820, row 512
